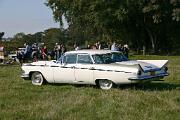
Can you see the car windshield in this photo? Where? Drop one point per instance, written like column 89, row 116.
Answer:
column 118, row 57
column 102, row 58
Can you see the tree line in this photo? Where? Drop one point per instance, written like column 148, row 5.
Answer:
column 49, row 37
column 150, row 25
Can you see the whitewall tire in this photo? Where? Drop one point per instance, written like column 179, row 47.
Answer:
column 105, row 84
column 37, row 78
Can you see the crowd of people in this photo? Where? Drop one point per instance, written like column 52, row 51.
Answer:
column 31, row 52
column 35, row 52
column 114, row 47
column 118, row 47
column 38, row 51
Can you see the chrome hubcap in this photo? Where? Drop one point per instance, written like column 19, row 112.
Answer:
column 105, row 84
column 37, row 79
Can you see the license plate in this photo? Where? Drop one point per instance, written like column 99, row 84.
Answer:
column 152, row 73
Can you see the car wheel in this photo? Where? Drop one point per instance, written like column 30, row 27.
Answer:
column 37, row 78
column 105, row 84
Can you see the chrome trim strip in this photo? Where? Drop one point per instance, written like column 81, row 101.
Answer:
column 93, row 69
column 149, row 77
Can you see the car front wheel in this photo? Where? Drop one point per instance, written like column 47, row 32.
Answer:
column 105, row 84
column 37, row 78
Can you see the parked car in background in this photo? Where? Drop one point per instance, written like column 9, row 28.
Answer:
column 103, row 68
column 14, row 55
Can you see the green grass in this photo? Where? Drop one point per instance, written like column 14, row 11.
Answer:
column 21, row 100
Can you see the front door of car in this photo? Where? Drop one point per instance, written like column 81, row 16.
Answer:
column 84, row 70
column 66, row 73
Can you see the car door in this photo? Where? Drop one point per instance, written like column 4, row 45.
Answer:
column 84, row 70
column 66, row 72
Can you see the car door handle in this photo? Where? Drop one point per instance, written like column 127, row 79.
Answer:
column 72, row 67
column 91, row 68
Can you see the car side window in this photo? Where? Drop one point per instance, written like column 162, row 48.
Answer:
column 118, row 57
column 71, row 58
column 84, row 59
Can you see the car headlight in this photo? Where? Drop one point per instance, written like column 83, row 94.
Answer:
column 23, row 72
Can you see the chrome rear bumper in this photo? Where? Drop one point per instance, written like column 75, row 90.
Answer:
column 159, row 76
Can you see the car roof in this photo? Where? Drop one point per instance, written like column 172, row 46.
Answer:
column 91, row 51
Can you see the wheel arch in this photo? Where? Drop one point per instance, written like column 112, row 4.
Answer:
column 97, row 81
column 30, row 74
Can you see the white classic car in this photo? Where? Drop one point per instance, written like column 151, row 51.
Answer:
column 97, row 67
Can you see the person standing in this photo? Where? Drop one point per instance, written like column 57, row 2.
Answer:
column 114, row 47
column 126, row 50
column 20, row 55
column 63, row 50
column 76, row 46
column 57, row 49
column 52, row 54
column 34, row 54
column 1, row 53
column 44, row 53
column 88, row 47
column 26, row 53
column 99, row 45
column 120, row 47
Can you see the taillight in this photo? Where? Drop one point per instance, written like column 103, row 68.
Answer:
column 139, row 72
column 165, row 69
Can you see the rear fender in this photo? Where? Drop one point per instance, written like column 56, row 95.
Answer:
column 158, row 63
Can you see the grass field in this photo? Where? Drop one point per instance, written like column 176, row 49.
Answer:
column 20, row 100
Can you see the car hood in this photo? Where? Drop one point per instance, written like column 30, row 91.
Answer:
column 146, row 65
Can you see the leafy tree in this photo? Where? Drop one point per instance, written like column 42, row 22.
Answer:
column 19, row 35
column 52, row 36
column 136, row 22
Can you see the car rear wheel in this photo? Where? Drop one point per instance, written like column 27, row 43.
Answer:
column 105, row 84
column 37, row 78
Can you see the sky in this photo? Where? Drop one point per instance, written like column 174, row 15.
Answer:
column 28, row 16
